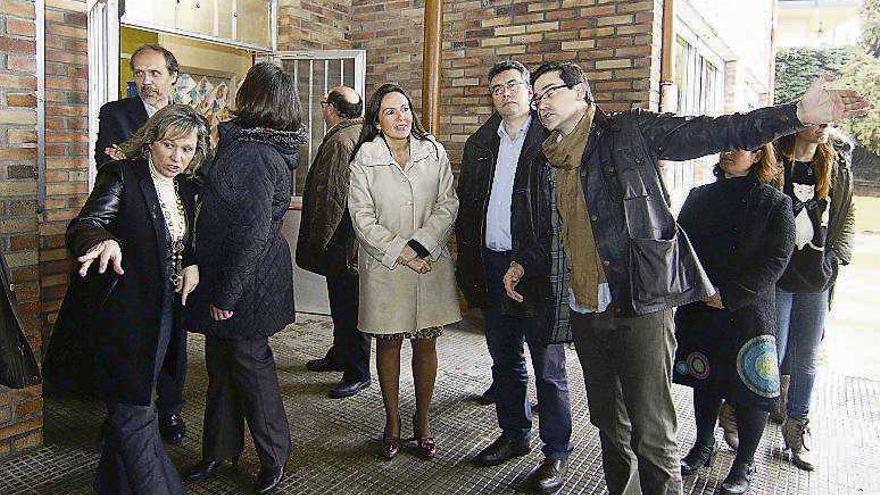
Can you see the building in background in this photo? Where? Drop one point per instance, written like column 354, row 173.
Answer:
column 818, row 23
column 61, row 59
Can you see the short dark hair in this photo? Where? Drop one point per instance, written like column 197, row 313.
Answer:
column 170, row 60
column 345, row 108
column 570, row 73
column 509, row 64
column 268, row 98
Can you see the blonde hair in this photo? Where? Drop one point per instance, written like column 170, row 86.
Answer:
column 171, row 122
column 768, row 170
column 821, row 163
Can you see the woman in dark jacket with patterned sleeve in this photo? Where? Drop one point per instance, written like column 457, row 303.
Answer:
column 743, row 232
column 246, row 293
column 120, row 318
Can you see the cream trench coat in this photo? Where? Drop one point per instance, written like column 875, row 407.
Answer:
column 388, row 207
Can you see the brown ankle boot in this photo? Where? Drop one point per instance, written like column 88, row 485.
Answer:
column 777, row 414
column 795, row 432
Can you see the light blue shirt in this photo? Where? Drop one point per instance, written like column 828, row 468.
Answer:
column 498, row 236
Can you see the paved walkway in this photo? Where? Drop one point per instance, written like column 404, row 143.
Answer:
column 335, row 440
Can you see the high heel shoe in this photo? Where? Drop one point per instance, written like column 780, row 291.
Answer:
column 699, row 456
column 391, row 443
column 426, row 446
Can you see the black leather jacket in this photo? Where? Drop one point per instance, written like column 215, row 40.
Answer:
column 649, row 262
column 474, row 187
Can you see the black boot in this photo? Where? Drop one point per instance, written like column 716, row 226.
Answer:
column 699, row 456
column 269, row 480
column 208, row 469
column 738, row 479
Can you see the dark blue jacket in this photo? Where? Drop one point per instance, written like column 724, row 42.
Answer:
column 244, row 261
column 117, row 121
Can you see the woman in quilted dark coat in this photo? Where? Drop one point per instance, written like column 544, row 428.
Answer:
column 246, row 291
column 743, row 232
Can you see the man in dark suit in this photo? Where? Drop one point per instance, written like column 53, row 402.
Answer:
column 499, row 151
column 155, row 71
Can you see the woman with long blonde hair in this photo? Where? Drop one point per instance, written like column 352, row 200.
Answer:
column 818, row 179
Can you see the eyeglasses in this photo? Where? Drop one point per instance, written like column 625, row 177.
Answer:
column 498, row 89
column 324, row 103
column 546, row 95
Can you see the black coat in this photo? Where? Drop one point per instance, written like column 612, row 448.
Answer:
column 649, row 263
column 244, row 261
column 107, row 333
column 743, row 233
column 474, row 188
column 117, row 121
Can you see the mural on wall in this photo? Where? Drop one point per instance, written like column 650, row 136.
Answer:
column 211, row 95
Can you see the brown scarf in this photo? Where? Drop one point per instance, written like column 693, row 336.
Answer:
column 564, row 154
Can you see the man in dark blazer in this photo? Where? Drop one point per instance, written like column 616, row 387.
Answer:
column 155, row 71
column 493, row 156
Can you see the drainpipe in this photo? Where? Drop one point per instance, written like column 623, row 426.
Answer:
column 40, row 42
column 431, row 66
column 668, row 88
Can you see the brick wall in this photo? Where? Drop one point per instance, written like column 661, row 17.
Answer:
column 314, row 24
column 20, row 410
column 33, row 242
column 616, row 43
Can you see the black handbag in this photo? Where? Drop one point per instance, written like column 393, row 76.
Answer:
column 18, row 366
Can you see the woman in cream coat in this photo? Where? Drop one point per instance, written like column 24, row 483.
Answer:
column 403, row 205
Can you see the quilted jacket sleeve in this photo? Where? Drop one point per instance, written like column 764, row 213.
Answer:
column 254, row 187
column 434, row 233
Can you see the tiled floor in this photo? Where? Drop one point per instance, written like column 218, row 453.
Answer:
column 334, row 441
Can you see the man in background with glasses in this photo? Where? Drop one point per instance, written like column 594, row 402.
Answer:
column 500, row 150
column 598, row 252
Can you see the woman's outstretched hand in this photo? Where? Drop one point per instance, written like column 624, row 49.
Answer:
column 220, row 314
column 105, row 252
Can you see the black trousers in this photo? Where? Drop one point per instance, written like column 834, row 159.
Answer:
column 133, row 459
column 172, row 377
column 351, row 347
column 243, row 385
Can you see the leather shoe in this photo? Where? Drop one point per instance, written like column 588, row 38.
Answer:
column 322, row 365
column 488, row 397
column 268, row 480
column 207, row 469
column 502, row 450
column 347, row 389
column 550, row 475
column 172, row 428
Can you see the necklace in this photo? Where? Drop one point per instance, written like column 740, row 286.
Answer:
column 175, row 221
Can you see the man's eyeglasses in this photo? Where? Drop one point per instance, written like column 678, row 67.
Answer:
column 324, row 103
column 546, row 95
column 498, row 89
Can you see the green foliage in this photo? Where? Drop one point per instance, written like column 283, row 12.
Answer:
column 863, row 75
column 871, row 26
column 854, row 69
column 797, row 67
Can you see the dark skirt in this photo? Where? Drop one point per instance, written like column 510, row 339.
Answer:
column 718, row 356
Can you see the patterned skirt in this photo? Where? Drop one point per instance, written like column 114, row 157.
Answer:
column 421, row 334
